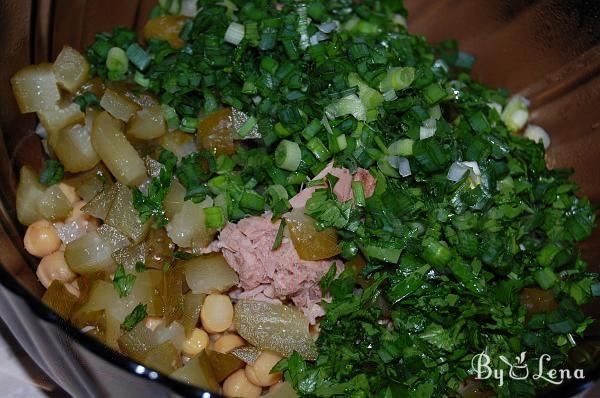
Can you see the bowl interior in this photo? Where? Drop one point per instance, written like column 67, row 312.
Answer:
column 547, row 50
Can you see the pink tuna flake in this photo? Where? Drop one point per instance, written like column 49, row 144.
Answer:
column 271, row 275
column 343, row 187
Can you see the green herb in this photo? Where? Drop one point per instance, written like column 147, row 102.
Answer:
column 182, row 255
column 140, row 266
column 194, row 172
column 151, row 204
column 279, row 236
column 443, row 263
column 86, row 100
column 138, row 56
column 123, row 282
column 139, row 313
column 53, row 172
column 117, row 63
column 214, row 217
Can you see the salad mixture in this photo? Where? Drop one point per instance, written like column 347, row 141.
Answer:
column 300, row 199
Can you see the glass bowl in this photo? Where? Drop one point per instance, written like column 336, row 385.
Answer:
column 547, row 50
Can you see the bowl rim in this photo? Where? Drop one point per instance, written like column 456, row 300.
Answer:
column 45, row 313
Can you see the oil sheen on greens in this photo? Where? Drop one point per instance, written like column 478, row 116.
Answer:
column 446, row 262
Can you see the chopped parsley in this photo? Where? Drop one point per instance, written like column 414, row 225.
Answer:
column 53, row 172
column 123, row 282
column 151, row 204
column 139, row 313
column 182, row 255
column 86, row 100
column 140, row 266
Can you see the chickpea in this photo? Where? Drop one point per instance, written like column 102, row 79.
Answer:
column 41, row 239
column 53, row 267
column 259, row 372
column 238, row 385
column 225, row 344
column 217, row 313
column 195, row 343
column 69, row 192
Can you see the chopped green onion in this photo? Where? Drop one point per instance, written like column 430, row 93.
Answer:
column 172, row 7
column 325, row 123
column 252, row 33
column 390, row 95
column 385, row 166
column 247, row 127
column 315, row 145
column 277, row 192
column 269, row 64
column 349, row 105
column 290, row 49
column 545, row 278
column 235, row 33
column 288, row 155
column 516, row 114
column 53, row 172
column 434, row 93
column 367, row 28
column 340, row 143
column 138, row 56
column 218, row 184
column 268, row 38
column 379, row 142
column 372, row 115
column 101, row 48
column 428, row 129
column 437, row 254
column 312, row 129
column 537, row 134
column 225, row 164
column 315, row 182
column 359, row 193
column 170, row 116
column 214, row 217
column 397, row 79
column 249, row 87
column 381, row 252
column 279, row 236
column 141, row 80
column 370, row 98
column 479, row 122
column 189, row 124
column 435, row 112
column 358, row 51
column 302, row 28
column 281, row 130
column 402, row 147
column 86, row 100
column 117, row 63
column 252, row 201
column 297, row 178
column 221, row 201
